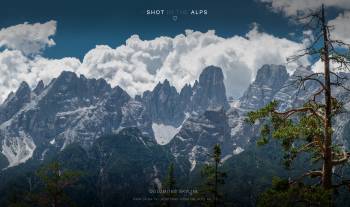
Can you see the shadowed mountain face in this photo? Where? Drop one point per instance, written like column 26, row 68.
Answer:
column 15, row 101
column 72, row 109
column 115, row 169
column 199, row 134
column 268, row 81
column 210, row 91
column 168, row 106
column 69, row 110
column 164, row 104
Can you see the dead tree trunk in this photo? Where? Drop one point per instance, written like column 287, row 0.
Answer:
column 327, row 164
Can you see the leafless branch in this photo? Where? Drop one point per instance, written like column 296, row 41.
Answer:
column 343, row 159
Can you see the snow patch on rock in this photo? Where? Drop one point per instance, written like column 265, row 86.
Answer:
column 196, row 152
column 238, row 150
column 18, row 150
column 53, row 141
column 43, row 154
column 192, row 158
column 164, row 133
column 226, row 158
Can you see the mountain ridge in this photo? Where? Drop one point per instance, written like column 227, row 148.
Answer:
column 74, row 109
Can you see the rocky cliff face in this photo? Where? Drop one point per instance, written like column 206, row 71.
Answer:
column 69, row 110
column 273, row 83
column 72, row 109
column 268, row 81
column 15, row 101
column 199, row 134
column 164, row 104
column 168, row 106
column 226, row 127
column 209, row 92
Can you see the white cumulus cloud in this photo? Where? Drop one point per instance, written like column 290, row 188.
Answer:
column 139, row 65
column 341, row 27
column 28, row 38
column 295, row 7
column 16, row 67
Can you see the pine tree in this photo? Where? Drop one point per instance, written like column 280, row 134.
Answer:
column 170, row 186
column 308, row 129
column 55, row 181
column 282, row 194
column 214, row 178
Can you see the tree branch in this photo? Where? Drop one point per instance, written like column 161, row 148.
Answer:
column 315, row 173
column 342, row 160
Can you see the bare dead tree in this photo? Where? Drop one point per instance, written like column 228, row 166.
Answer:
column 311, row 124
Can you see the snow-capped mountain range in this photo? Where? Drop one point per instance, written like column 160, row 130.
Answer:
column 72, row 109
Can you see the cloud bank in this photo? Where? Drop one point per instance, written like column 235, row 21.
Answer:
column 341, row 27
column 139, row 65
column 16, row 67
column 295, row 7
column 28, row 38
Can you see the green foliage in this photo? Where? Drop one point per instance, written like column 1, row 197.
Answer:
column 214, row 178
column 298, row 130
column 55, row 181
column 217, row 154
column 170, row 187
column 261, row 113
column 282, row 194
column 170, row 182
column 19, row 198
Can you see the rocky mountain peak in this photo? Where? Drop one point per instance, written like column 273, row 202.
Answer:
column 166, row 83
column 76, row 109
column 68, row 85
column 185, row 95
column 23, row 92
column 199, row 134
column 163, row 105
column 212, row 75
column 117, row 98
column 269, row 80
column 291, row 95
column 167, row 106
column 39, row 87
column 209, row 91
column 67, row 76
column 15, row 102
column 272, row 76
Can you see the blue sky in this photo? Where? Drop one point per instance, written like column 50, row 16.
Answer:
column 81, row 24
